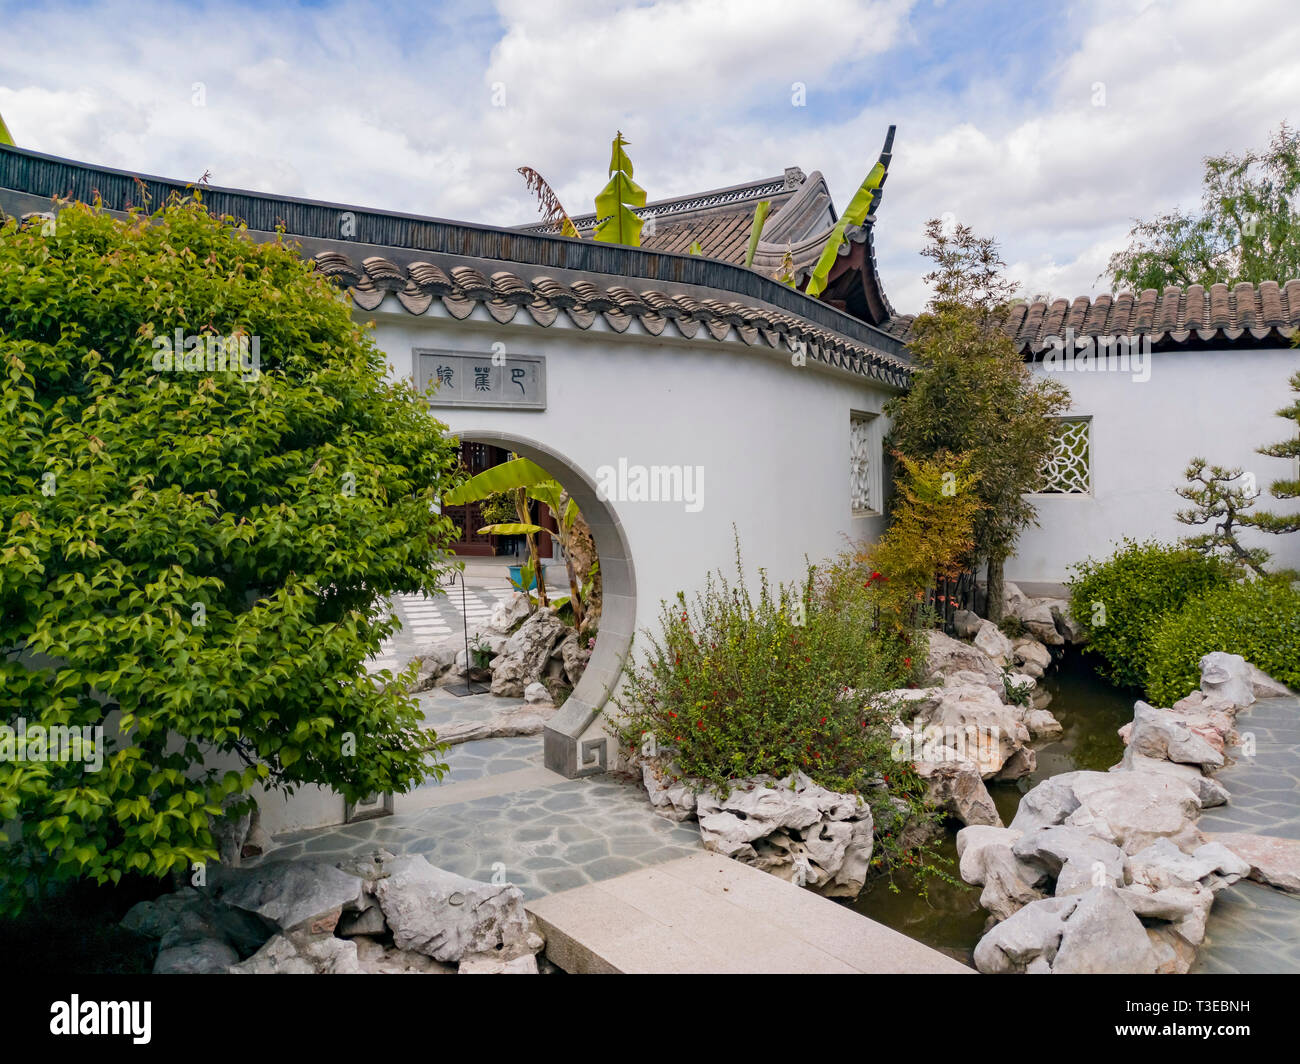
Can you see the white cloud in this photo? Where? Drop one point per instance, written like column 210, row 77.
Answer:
column 368, row 103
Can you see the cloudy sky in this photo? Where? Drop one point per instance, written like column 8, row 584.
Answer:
column 1047, row 125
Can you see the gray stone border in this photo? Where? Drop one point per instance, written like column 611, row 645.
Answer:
column 564, row 750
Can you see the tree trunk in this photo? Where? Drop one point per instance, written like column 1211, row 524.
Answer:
column 996, row 588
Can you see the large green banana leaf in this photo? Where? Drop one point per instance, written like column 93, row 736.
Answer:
column 508, row 476
column 620, row 224
column 756, row 229
column 858, row 209
column 511, row 529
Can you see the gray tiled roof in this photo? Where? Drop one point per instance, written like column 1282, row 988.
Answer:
column 1264, row 314
column 540, row 299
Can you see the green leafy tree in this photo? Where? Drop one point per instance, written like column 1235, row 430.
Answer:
column 1285, row 487
column 619, row 224
column 1248, row 227
column 1219, row 497
column 973, row 395
column 195, row 558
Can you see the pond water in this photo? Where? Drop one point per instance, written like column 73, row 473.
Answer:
column 950, row 919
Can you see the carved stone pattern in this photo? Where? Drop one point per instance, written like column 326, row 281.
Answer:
column 1067, row 470
column 862, row 464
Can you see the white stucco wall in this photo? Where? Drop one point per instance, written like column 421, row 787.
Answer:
column 1219, row 405
column 772, row 438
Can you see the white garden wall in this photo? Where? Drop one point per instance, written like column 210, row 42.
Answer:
column 1219, row 405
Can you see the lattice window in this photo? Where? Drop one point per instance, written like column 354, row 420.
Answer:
column 1068, row 469
column 864, row 464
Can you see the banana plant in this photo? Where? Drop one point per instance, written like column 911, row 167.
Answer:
column 615, row 201
column 756, row 229
column 553, row 212
column 858, row 209
column 527, row 480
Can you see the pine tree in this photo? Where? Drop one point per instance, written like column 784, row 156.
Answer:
column 1286, row 487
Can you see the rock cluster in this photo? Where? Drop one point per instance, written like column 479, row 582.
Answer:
column 1106, row 871
column 534, row 653
column 380, row 914
column 791, row 827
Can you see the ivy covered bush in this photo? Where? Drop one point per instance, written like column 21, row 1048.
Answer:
column 1121, row 601
column 194, row 550
column 783, row 681
column 1258, row 619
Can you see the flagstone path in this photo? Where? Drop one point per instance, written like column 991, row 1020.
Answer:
column 1254, row 928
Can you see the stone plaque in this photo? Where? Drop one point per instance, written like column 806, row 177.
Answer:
column 482, row 379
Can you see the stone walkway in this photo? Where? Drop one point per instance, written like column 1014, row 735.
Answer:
column 1254, row 928
column 426, row 619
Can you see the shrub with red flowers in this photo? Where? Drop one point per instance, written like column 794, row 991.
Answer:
column 775, row 680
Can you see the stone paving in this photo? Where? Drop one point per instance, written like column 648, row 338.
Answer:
column 426, row 619
column 1254, row 928
column 542, row 839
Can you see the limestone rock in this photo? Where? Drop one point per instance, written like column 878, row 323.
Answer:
column 1102, row 936
column 526, row 653
column 153, row 919
column 447, row 916
column 508, row 720
column 1049, row 802
column 1009, row 883
column 1161, row 734
column 206, row 957
column 1264, row 686
column 974, row 721
column 1209, row 791
column 1051, row 848
column 671, row 797
column 1042, row 725
column 510, row 612
column 974, row 842
column 1070, row 629
column 374, row 958
column 966, row 623
column 535, row 693
column 957, row 788
column 1134, row 809
column 794, row 829
column 291, row 894
column 1030, row 651
column 491, row 964
column 1229, row 677
column 947, row 655
column 1272, row 860
column 990, row 639
column 1040, row 623
column 301, row 953
column 1031, row 934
